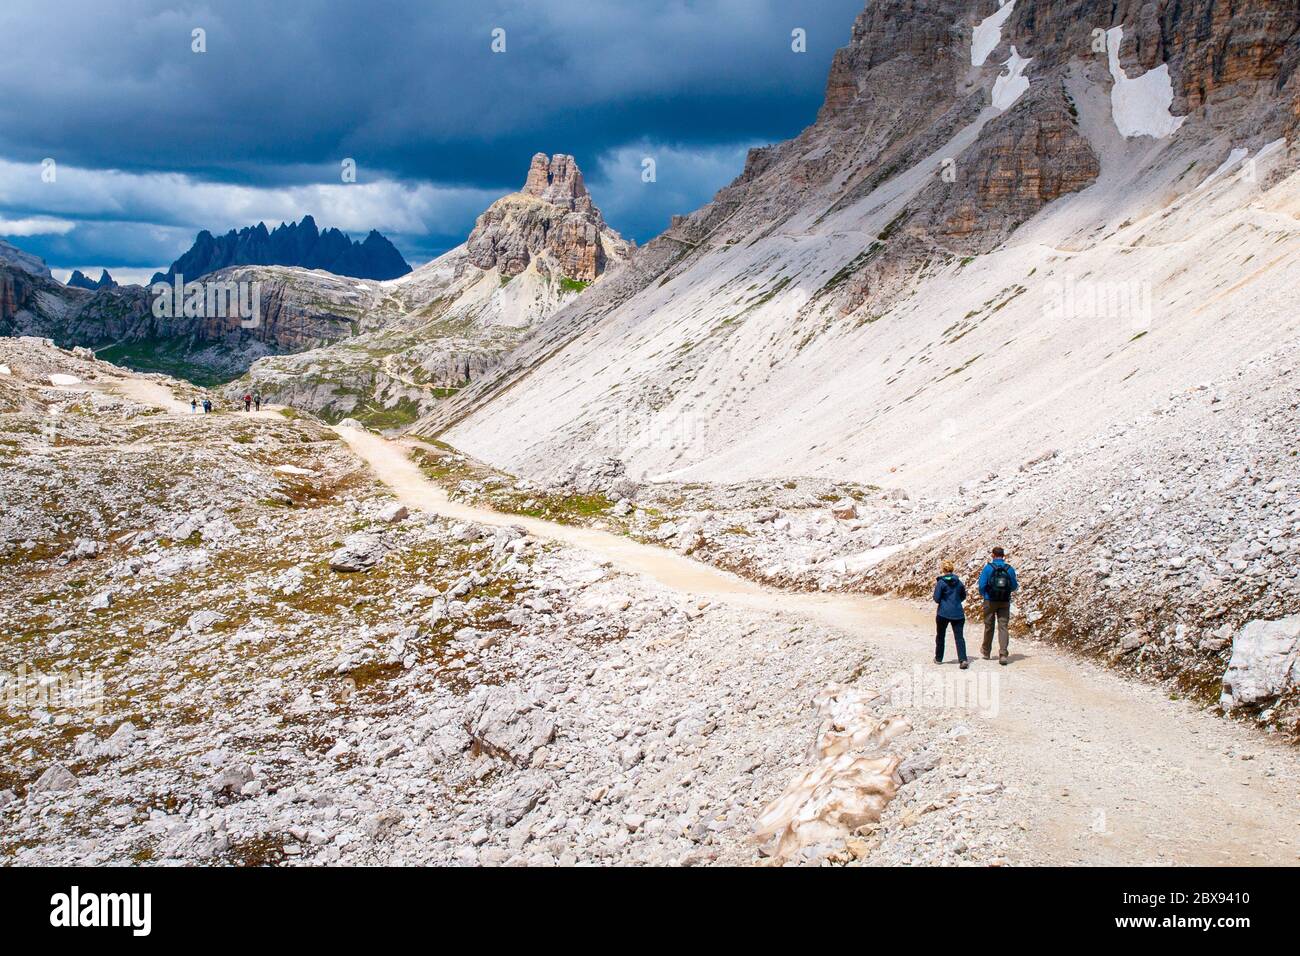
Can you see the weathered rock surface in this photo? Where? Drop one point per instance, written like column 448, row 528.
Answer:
column 1265, row 662
column 551, row 223
column 359, row 552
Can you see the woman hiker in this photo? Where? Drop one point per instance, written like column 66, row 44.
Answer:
column 949, row 594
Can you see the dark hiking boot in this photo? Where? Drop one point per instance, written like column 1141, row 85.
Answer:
column 964, row 664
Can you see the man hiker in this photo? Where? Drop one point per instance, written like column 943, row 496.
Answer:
column 257, row 401
column 997, row 584
column 949, row 593
column 194, row 404
column 248, row 402
column 207, row 405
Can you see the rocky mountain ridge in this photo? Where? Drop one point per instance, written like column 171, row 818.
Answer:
column 300, row 244
column 79, row 280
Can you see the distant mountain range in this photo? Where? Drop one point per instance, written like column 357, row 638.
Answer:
column 79, row 280
column 293, row 244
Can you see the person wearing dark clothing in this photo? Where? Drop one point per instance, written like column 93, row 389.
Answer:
column 194, row 405
column 997, row 584
column 257, row 401
column 949, row 594
column 207, row 405
column 248, row 402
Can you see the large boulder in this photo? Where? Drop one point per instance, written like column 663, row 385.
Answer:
column 57, row 777
column 359, row 551
column 510, row 724
column 1265, row 662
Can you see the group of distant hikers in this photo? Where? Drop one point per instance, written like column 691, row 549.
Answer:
column 252, row 400
column 996, row 585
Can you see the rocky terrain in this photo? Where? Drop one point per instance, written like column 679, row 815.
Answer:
column 229, row 644
column 1149, row 551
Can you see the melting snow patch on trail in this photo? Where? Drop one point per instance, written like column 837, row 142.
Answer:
column 1140, row 106
column 1013, row 84
column 850, row 785
column 988, row 34
column 58, row 378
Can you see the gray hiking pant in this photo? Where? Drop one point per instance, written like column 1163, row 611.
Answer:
column 996, row 612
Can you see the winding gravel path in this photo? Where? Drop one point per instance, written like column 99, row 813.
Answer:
column 1107, row 771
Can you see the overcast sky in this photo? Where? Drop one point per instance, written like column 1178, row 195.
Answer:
column 152, row 141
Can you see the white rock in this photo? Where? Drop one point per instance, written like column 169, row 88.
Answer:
column 359, row 551
column 56, row 777
column 1265, row 662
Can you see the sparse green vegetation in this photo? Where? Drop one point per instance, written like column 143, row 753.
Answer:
column 170, row 356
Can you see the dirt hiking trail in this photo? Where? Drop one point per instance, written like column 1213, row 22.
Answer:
column 1115, row 771
column 1107, row 771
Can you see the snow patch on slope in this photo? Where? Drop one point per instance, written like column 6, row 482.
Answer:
column 1235, row 157
column 988, row 34
column 1013, row 84
column 1140, row 106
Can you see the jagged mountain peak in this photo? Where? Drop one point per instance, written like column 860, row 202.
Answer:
column 558, row 180
column 301, row 243
column 79, row 280
column 562, row 235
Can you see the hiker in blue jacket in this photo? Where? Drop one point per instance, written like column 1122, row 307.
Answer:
column 949, row 593
column 997, row 584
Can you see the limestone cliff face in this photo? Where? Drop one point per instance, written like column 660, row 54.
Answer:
column 1221, row 53
column 950, row 129
column 1024, row 159
column 552, row 223
column 298, row 310
column 35, row 304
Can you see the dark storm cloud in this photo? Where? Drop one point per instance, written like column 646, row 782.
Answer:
column 412, row 91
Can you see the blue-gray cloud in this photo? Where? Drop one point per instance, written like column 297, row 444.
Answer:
column 411, row 91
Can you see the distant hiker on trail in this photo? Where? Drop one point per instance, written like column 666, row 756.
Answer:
column 207, row 405
column 257, row 400
column 997, row 584
column 248, row 402
column 194, row 404
column 949, row 593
